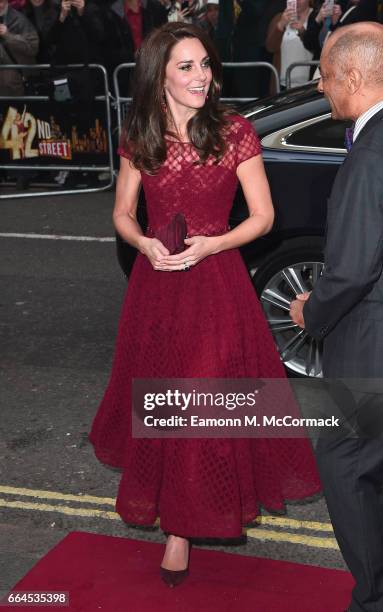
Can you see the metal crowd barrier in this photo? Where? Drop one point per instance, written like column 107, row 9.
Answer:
column 291, row 67
column 122, row 102
column 267, row 65
column 109, row 168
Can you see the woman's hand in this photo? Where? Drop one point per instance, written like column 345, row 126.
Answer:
column 299, row 26
column 199, row 248
column 324, row 12
column 154, row 250
column 287, row 17
column 183, row 14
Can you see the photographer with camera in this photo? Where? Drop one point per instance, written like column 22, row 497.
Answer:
column 43, row 14
column 77, row 37
column 78, row 33
column 19, row 44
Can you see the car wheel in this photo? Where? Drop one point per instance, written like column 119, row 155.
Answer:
column 277, row 282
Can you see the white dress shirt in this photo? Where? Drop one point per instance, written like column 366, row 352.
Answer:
column 363, row 119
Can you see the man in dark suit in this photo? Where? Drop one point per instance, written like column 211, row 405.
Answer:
column 345, row 308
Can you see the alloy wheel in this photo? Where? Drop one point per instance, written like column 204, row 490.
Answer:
column 300, row 353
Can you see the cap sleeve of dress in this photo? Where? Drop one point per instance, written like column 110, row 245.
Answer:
column 248, row 143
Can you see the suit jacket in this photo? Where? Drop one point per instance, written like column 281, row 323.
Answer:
column 345, row 308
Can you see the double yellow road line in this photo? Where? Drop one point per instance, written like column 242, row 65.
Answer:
column 278, row 529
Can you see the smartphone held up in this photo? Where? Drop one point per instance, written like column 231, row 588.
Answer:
column 291, row 5
column 329, row 7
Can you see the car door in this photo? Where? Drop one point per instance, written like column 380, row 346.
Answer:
column 301, row 162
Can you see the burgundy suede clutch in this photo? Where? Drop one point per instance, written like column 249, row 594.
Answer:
column 173, row 234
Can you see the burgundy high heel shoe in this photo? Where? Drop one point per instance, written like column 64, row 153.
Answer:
column 174, row 577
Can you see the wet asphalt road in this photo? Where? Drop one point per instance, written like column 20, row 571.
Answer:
column 59, row 304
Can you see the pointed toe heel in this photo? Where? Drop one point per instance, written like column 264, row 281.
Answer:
column 173, row 577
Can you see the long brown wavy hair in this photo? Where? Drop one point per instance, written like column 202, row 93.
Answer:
column 146, row 124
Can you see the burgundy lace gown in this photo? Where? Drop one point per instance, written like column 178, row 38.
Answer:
column 206, row 322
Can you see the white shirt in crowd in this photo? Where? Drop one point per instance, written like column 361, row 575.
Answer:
column 293, row 50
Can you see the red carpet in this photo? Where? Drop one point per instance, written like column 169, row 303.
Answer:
column 121, row 575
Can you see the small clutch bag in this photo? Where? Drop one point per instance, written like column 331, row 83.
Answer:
column 173, row 234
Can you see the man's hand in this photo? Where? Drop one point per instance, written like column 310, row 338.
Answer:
column 3, row 29
column 296, row 308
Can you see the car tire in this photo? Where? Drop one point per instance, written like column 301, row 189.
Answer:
column 291, row 269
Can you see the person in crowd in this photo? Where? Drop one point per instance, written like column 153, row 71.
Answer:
column 43, row 14
column 19, row 44
column 224, row 31
column 284, row 41
column 211, row 16
column 141, row 16
column 321, row 23
column 17, row 4
column 249, row 45
column 354, row 11
column 189, row 153
column 118, row 45
column 77, row 37
column 344, row 309
column 79, row 22
column 223, row 40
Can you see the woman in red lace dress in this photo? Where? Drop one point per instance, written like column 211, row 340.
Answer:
column 194, row 314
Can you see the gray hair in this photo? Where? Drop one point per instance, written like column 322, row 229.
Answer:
column 361, row 49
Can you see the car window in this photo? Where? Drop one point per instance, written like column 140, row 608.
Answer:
column 327, row 133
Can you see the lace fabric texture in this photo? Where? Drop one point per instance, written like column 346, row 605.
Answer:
column 207, row 322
